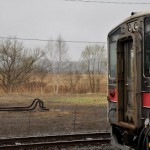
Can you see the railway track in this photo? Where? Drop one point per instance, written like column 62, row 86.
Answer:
column 45, row 142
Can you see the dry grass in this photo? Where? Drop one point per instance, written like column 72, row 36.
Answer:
column 50, row 82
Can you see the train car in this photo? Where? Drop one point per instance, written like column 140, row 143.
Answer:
column 129, row 82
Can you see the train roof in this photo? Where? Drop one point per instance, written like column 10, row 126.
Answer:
column 133, row 16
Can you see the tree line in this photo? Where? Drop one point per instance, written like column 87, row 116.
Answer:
column 50, row 70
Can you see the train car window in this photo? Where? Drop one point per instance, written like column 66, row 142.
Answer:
column 147, row 47
column 112, row 53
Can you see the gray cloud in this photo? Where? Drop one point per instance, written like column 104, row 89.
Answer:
column 74, row 20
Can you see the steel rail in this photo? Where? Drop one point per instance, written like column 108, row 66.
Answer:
column 54, row 137
column 56, row 144
column 54, row 140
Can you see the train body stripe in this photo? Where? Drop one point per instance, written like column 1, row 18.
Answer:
column 113, row 98
column 146, row 99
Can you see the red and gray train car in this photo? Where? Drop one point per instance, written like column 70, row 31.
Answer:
column 129, row 82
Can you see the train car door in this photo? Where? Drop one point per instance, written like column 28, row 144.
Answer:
column 126, row 82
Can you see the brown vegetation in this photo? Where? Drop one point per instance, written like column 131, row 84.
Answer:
column 50, row 70
column 67, row 84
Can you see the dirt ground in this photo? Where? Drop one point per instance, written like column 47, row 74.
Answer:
column 62, row 117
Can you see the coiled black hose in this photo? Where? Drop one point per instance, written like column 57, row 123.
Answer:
column 36, row 102
column 139, row 140
column 145, row 137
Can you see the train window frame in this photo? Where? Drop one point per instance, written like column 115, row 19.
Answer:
column 113, row 38
column 146, row 50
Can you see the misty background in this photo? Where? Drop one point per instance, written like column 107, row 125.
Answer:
column 58, row 46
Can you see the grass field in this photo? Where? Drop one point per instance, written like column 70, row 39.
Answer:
column 67, row 113
column 84, row 99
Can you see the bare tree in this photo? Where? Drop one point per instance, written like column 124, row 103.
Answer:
column 16, row 64
column 92, row 60
column 49, row 52
column 43, row 68
column 74, row 76
column 61, row 60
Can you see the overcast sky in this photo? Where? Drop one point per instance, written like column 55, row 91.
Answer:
column 79, row 21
